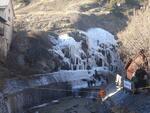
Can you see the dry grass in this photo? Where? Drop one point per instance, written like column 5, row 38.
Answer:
column 137, row 34
column 53, row 5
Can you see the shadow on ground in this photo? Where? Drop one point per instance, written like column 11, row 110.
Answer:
column 109, row 22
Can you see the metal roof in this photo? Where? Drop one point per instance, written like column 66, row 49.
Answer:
column 4, row 3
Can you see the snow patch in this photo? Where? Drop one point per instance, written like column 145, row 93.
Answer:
column 98, row 36
column 66, row 40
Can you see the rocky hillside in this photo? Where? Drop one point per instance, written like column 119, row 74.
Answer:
column 39, row 21
column 66, row 15
column 60, row 16
column 41, row 52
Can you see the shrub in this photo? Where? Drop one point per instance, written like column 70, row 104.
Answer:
column 136, row 35
column 117, row 11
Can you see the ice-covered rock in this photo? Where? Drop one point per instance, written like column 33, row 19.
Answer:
column 86, row 50
column 98, row 36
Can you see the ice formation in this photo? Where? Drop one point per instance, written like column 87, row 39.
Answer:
column 101, row 51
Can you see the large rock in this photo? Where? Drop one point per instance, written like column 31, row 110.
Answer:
column 30, row 51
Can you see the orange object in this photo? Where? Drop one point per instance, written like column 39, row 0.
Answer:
column 102, row 93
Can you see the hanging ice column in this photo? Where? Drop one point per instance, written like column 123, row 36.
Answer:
column 102, row 47
column 75, row 51
column 77, row 62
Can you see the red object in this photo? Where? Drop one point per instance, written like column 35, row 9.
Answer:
column 102, row 93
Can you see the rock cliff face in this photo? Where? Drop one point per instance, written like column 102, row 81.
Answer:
column 31, row 50
column 41, row 52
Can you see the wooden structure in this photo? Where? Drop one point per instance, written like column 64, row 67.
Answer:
column 140, row 61
column 6, row 27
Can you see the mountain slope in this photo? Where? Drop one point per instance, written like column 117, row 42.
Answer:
column 66, row 15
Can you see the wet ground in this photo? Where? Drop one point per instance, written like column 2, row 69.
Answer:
column 133, row 103
column 139, row 103
column 71, row 105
